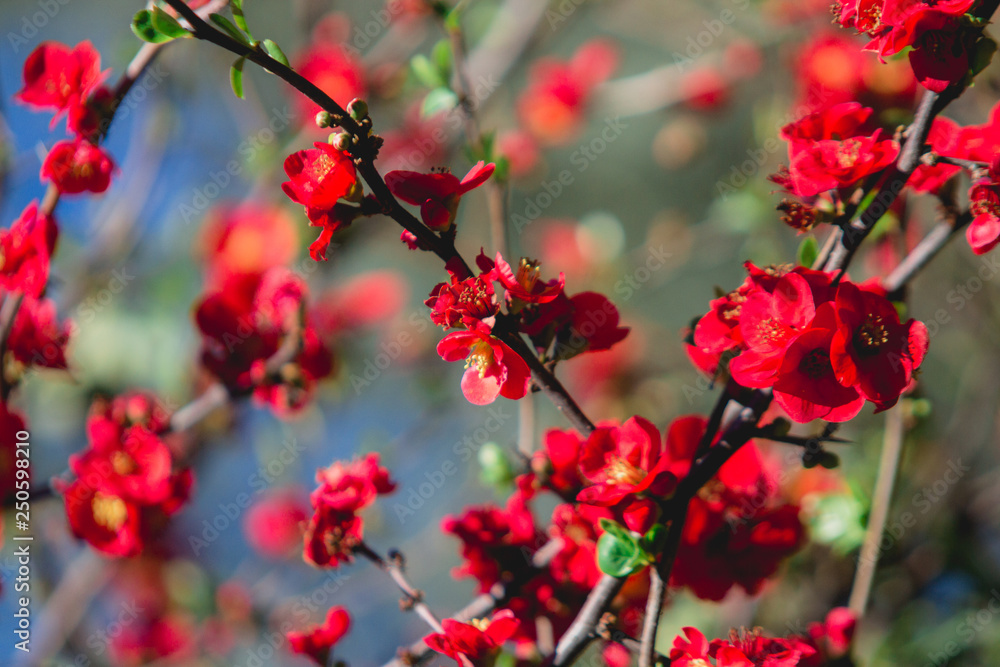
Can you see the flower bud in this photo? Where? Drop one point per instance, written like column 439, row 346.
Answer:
column 340, row 140
column 324, row 119
column 358, row 109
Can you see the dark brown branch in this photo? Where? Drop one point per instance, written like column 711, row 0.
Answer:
column 923, row 253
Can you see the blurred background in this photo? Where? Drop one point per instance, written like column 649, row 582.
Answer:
column 662, row 195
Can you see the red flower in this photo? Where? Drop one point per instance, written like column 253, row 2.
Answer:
column 557, row 464
column 576, row 562
column 318, row 640
column 941, row 51
column 983, row 233
column 940, row 43
column 60, row 79
column 78, row 166
column 272, row 525
column 468, row 302
column 437, row 194
column 245, row 240
column 492, row 367
column 831, row 70
column 523, row 287
column 944, row 139
column 474, row 642
column 826, row 151
column 738, row 529
column 553, row 105
column 344, row 490
column 494, row 541
column 109, row 523
column 742, row 649
column 125, row 485
column 170, row 636
column 806, row 385
column 25, row 251
column 832, row 638
column 768, row 322
column 136, row 465
column 108, row 420
column 246, row 322
column 872, row 351
column 625, row 465
column 37, row 338
column 320, row 177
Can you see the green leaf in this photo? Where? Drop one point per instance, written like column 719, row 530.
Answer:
column 808, row 251
column 619, row 556
column 441, row 57
column 502, row 169
column 275, row 52
column 439, row 99
column 497, row 469
column 240, row 19
column 227, row 26
column 426, row 72
column 613, row 527
column 236, row 77
column 982, row 54
column 165, row 24
column 654, row 540
column 453, row 21
column 142, row 26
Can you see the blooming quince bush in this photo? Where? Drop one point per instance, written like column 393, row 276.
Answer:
column 604, row 520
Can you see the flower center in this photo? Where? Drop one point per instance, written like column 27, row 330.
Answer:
column 872, row 334
column 324, row 167
column 816, row 364
column 985, row 206
column 848, row 153
column 109, row 511
column 621, row 471
column 481, row 624
column 769, row 330
column 477, row 299
column 528, row 272
column 123, row 463
column 870, row 17
column 480, row 357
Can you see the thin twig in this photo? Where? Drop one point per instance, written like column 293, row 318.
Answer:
column 496, row 193
column 414, row 598
column 482, row 605
column 892, row 447
column 923, row 253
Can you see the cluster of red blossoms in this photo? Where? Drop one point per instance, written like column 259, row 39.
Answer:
column 825, row 642
column 830, row 150
column 335, row 528
column 126, row 485
column 941, row 35
column 37, row 337
column 834, row 148
column 559, row 326
column 738, row 528
column 824, row 347
column 254, row 306
column 979, row 144
column 69, row 81
column 738, row 523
